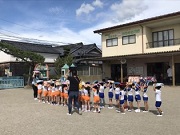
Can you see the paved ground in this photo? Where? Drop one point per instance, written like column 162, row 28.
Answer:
column 21, row 115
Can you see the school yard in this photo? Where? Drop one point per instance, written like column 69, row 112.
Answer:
column 21, row 115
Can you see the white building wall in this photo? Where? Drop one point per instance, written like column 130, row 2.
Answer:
column 49, row 58
column 4, row 57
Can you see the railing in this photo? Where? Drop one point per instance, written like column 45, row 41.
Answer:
column 11, row 82
column 163, row 43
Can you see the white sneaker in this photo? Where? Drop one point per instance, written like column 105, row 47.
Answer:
column 35, row 99
column 110, row 107
column 102, row 107
column 137, row 110
column 145, row 111
column 159, row 115
column 80, row 112
column 122, row 113
column 118, row 111
column 88, row 110
column 94, row 111
column 69, row 114
column 44, row 102
column 129, row 110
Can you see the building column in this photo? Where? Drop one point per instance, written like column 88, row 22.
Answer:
column 173, row 71
column 121, row 73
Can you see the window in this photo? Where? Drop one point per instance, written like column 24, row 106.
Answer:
column 95, row 70
column 84, row 70
column 87, row 70
column 163, row 38
column 131, row 39
column 112, row 42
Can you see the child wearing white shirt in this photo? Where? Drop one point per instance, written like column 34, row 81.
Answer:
column 157, row 89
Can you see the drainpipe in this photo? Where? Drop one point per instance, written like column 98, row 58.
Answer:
column 142, row 39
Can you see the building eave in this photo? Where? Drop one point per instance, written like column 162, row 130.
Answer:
column 138, row 22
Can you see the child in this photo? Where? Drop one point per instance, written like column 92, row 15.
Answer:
column 145, row 96
column 45, row 91
column 117, row 91
column 101, row 95
column 58, row 92
column 81, row 95
column 53, row 93
column 136, row 87
column 49, row 91
column 157, row 89
column 40, row 89
column 87, row 97
column 125, row 97
column 110, row 94
column 130, row 96
column 121, row 97
column 65, row 89
column 95, row 89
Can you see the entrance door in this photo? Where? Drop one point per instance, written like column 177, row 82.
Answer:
column 177, row 73
column 158, row 70
column 116, row 71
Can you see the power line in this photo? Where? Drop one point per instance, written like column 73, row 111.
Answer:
column 32, row 40
column 19, row 24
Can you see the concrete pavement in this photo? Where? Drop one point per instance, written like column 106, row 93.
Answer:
column 21, row 115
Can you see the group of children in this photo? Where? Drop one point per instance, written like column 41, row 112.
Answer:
column 55, row 92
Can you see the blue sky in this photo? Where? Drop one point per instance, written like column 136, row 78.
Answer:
column 72, row 21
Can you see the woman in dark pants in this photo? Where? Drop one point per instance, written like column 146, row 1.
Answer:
column 73, row 92
column 35, row 89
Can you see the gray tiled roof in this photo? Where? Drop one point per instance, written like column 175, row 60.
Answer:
column 73, row 48
column 38, row 48
column 77, row 50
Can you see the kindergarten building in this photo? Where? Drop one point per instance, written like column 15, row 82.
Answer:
column 142, row 48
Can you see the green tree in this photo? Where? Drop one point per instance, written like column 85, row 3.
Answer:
column 30, row 57
column 67, row 58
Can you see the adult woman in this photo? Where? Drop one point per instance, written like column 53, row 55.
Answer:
column 73, row 92
column 34, row 83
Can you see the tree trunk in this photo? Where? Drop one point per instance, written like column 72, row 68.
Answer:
column 29, row 75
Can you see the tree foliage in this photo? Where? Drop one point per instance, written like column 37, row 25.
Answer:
column 29, row 57
column 67, row 58
column 25, row 56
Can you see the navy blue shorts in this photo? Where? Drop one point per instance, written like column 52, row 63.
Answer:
column 145, row 99
column 137, row 97
column 125, row 97
column 101, row 95
column 117, row 96
column 121, row 102
column 158, row 104
column 130, row 98
column 110, row 95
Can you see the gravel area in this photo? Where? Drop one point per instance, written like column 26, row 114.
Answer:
column 21, row 115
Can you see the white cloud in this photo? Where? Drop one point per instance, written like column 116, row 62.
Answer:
column 55, row 10
column 127, row 9
column 98, row 3
column 85, row 8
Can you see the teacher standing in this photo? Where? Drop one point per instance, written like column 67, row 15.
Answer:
column 73, row 92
